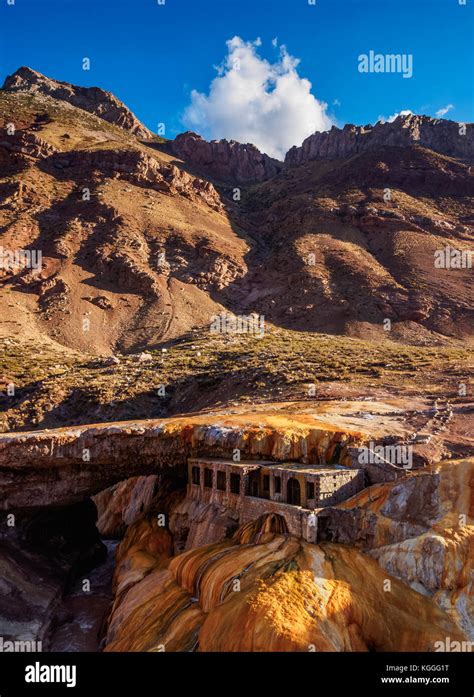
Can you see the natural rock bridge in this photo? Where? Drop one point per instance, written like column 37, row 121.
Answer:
column 63, row 466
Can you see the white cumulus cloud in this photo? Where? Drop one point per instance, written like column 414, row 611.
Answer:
column 390, row 119
column 444, row 110
column 255, row 101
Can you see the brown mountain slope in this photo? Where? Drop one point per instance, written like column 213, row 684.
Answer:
column 91, row 99
column 346, row 244
column 129, row 241
column 140, row 250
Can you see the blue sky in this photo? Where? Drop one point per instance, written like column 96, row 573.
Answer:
column 152, row 56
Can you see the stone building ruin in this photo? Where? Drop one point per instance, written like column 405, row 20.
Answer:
column 294, row 490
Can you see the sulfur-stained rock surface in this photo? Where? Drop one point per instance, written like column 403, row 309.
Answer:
column 267, row 591
column 146, row 546
column 82, row 461
column 123, row 504
column 421, row 530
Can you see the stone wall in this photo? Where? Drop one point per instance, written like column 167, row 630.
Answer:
column 250, row 489
column 331, row 485
column 301, row 522
column 196, row 492
column 339, row 486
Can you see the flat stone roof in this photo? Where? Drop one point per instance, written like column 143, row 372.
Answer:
column 312, row 469
column 287, row 466
column 222, row 461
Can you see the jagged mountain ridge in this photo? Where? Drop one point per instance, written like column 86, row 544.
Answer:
column 232, row 161
column 441, row 135
column 224, row 160
column 92, row 99
column 157, row 250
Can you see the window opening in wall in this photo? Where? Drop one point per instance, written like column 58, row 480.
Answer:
column 266, row 486
column 234, row 483
column 208, row 478
column 220, row 481
column 293, row 492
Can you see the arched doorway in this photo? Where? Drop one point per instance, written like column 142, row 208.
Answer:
column 293, row 492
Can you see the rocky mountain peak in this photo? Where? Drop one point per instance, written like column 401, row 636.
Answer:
column 92, row 99
column 443, row 136
column 226, row 160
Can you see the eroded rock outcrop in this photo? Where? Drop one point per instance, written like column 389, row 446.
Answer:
column 421, row 530
column 123, row 504
column 225, row 160
column 92, row 99
column 267, row 591
column 137, row 168
column 63, row 466
column 195, row 523
column 446, row 137
column 23, row 143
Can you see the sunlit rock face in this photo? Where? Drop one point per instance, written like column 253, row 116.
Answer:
column 440, row 135
column 421, row 530
column 63, row 466
column 264, row 590
column 91, row 99
column 196, row 523
column 123, row 504
column 226, row 160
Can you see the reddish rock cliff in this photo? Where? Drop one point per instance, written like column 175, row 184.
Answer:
column 446, row 137
column 225, row 160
